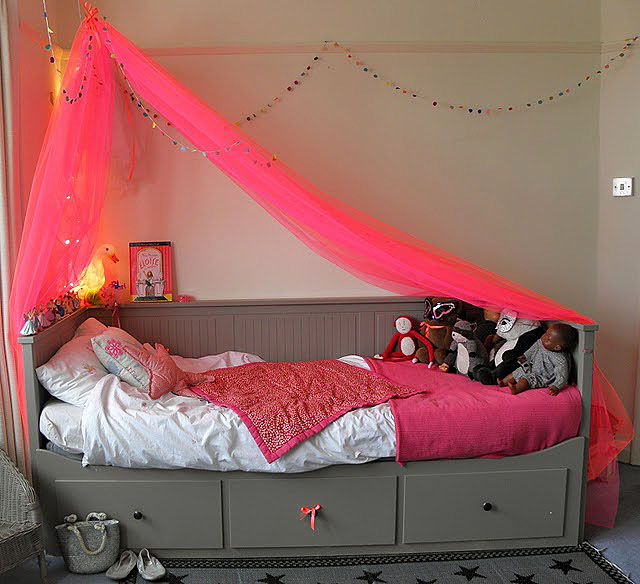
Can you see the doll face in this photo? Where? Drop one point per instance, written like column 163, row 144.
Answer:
column 403, row 325
column 554, row 339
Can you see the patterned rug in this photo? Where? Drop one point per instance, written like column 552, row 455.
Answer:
column 565, row 565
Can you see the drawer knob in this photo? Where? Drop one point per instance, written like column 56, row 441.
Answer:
column 137, row 515
column 487, row 506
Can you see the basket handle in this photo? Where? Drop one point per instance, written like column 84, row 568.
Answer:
column 98, row 516
column 97, row 527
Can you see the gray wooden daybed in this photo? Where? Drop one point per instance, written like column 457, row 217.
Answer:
column 534, row 500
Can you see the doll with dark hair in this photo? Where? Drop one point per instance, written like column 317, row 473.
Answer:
column 546, row 363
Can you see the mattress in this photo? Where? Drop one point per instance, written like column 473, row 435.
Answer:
column 121, row 426
column 61, row 424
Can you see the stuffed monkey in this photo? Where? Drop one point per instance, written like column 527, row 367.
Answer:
column 406, row 339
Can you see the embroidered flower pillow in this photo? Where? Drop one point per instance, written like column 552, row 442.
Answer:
column 120, row 354
column 72, row 373
column 151, row 371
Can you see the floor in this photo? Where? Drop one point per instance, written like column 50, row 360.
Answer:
column 620, row 545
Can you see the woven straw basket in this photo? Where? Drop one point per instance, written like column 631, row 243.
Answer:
column 90, row 546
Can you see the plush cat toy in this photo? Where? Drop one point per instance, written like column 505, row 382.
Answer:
column 519, row 334
column 440, row 315
column 467, row 351
column 406, row 339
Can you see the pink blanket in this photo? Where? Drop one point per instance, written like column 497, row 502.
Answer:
column 283, row 404
column 459, row 418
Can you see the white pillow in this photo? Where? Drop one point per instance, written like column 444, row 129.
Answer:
column 91, row 326
column 74, row 370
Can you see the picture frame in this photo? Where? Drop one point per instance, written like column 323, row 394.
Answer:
column 150, row 268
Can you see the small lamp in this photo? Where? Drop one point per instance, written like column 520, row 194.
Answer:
column 92, row 278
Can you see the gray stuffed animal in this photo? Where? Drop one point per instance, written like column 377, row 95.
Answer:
column 519, row 334
column 466, row 351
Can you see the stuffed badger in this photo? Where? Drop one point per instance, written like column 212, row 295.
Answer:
column 467, row 351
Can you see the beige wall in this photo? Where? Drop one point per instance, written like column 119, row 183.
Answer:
column 34, row 79
column 526, row 195
column 618, row 307
column 515, row 194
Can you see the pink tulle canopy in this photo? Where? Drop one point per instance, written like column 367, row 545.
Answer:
column 71, row 180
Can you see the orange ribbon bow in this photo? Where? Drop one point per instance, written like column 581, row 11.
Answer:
column 428, row 326
column 310, row 511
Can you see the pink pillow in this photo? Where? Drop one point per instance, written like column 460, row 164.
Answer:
column 165, row 375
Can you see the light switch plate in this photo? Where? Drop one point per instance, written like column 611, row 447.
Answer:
column 623, row 187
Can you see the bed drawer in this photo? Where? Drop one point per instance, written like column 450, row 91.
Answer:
column 355, row 511
column 155, row 514
column 484, row 506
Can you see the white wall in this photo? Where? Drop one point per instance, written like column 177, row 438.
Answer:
column 618, row 307
column 516, row 193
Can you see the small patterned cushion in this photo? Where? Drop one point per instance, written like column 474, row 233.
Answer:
column 120, row 354
column 164, row 375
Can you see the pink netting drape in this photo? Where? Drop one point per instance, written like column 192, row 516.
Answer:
column 68, row 188
column 70, row 183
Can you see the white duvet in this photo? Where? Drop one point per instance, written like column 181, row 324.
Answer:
column 123, row 427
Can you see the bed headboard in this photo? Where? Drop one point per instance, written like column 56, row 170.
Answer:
column 36, row 351
column 277, row 330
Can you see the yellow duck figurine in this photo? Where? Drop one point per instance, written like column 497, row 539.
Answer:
column 92, row 278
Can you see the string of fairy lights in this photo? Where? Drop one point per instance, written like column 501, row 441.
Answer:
column 374, row 74
column 157, row 122
column 163, row 126
column 298, row 79
column 49, row 45
column 361, row 65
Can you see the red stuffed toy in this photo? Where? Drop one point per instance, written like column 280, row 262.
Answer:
column 406, row 339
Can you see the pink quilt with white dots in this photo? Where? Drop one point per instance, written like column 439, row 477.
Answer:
column 283, row 404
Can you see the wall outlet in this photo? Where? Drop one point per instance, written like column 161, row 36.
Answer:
column 623, row 187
